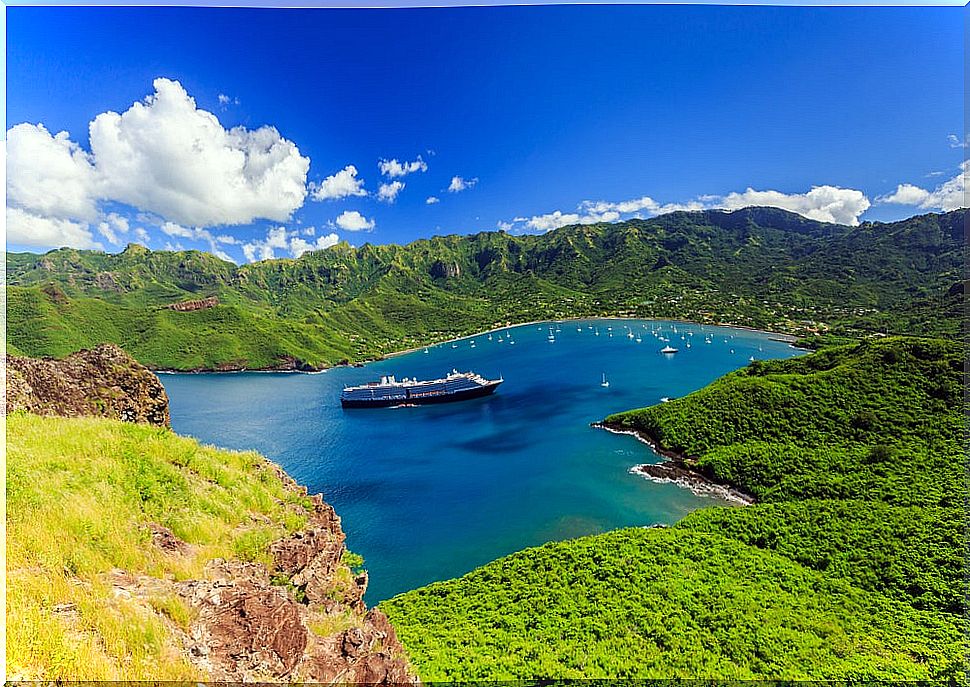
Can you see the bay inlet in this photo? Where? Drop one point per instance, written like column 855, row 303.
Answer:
column 428, row 493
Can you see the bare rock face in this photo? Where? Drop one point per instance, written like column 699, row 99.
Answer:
column 303, row 621
column 200, row 304
column 245, row 630
column 445, row 270
column 102, row 382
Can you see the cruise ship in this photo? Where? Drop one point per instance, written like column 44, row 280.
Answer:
column 457, row 386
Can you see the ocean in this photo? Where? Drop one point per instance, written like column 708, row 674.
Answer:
column 431, row 492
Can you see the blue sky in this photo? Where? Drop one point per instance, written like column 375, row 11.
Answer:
column 544, row 115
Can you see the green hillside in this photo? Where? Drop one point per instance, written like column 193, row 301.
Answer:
column 851, row 565
column 760, row 267
column 81, row 493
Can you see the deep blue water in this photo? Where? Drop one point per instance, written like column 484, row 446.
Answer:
column 429, row 493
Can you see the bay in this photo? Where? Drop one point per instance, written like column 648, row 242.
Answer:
column 429, row 493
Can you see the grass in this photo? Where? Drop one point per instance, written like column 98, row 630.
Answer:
column 80, row 493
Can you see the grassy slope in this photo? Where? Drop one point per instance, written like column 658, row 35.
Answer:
column 79, row 493
column 856, row 452
column 760, row 267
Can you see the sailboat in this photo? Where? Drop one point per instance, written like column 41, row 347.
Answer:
column 604, row 383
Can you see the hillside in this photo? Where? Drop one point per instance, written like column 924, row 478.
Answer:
column 137, row 554
column 760, row 267
column 850, row 567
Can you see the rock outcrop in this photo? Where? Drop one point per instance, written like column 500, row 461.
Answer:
column 299, row 618
column 200, row 304
column 304, row 622
column 104, row 382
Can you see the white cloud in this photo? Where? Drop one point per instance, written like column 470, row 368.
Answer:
column 200, row 234
column 351, row 220
column 343, row 184
column 142, row 235
column 394, row 168
column 950, row 195
column 906, row 194
column 821, row 203
column 431, row 200
column 166, row 156
column 299, row 246
column 458, row 184
column 49, row 176
column 280, row 238
column 112, row 225
column 388, row 192
column 163, row 155
column 27, row 229
column 955, row 141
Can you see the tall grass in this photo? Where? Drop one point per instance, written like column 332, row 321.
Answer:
column 80, row 493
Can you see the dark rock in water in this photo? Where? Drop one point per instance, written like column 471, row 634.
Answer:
column 102, row 382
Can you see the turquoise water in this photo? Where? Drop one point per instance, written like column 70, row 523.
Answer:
column 429, row 493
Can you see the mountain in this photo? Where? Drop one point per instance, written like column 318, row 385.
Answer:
column 850, row 567
column 760, row 267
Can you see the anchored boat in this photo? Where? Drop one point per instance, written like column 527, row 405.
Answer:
column 457, row 386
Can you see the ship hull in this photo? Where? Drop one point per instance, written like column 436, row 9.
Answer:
column 462, row 395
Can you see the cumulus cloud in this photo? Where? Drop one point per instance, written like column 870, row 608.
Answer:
column 27, row 229
column 112, row 225
column 950, row 195
column 299, row 246
column 162, row 155
column 142, row 235
column 49, row 175
column 351, row 220
column 459, row 184
column 431, row 200
column 906, row 194
column 200, row 234
column 822, row 203
column 343, row 184
column 167, row 156
column 388, row 192
column 281, row 238
column 394, row 168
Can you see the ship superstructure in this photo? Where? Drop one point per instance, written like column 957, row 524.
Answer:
column 457, row 386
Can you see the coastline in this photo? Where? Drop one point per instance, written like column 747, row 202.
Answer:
column 772, row 336
column 677, row 469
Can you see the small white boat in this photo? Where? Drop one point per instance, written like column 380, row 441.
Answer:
column 489, row 337
column 668, row 349
column 454, row 345
column 426, row 350
column 639, row 339
column 604, row 383
column 665, row 399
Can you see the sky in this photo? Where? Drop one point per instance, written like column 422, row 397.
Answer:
column 264, row 133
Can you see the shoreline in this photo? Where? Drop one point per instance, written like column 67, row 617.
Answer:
column 772, row 336
column 675, row 469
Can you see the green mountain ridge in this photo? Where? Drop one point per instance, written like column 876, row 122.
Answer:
column 851, row 566
column 759, row 267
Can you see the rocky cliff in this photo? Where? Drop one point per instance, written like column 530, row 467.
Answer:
column 293, row 611
column 102, row 382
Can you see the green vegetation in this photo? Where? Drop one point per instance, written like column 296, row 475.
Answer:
column 80, row 496
column 850, row 567
column 758, row 267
